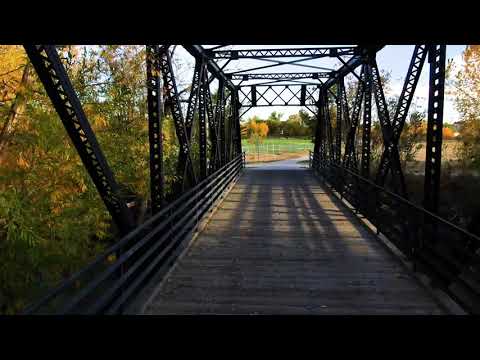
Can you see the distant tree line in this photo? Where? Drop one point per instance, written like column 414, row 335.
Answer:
column 300, row 125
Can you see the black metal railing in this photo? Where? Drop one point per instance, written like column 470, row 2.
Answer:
column 448, row 254
column 115, row 277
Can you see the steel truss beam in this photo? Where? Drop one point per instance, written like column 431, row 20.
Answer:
column 202, row 120
column 220, row 120
column 238, row 139
column 276, row 63
column 282, row 76
column 328, row 125
column 196, row 106
column 219, row 134
column 401, row 111
column 433, row 161
column 319, row 130
column 155, row 115
column 350, row 156
column 387, row 131
column 54, row 78
column 353, row 63
column 194, row 97
column 290, row 52
column 367, row 122
column 171, row 93
column 230, row 128
column 338, row 125
column 278, row 95
column 198, row 52
column 212, row 128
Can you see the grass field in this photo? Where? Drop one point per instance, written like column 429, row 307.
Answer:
column 276, row 146
column 272, row 149
column 275, row 149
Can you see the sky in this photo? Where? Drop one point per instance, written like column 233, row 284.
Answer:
column 392, row 58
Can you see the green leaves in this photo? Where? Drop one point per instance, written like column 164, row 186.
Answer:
column 52, row 220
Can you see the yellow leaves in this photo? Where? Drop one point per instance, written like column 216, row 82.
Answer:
column 12, row 59
column 111, row 258
column 83, row 187
column 100, row 122
column 447, row 133
column 259, row 129
column 64, row 168
column 22, row 162
column 55, row 195
column 256, row 131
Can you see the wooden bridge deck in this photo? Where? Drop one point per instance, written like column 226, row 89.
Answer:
column 280, row 244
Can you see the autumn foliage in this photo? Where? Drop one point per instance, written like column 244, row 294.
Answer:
column 257, row 130
column 52, row 220
column 467, row 98
column 448, row 133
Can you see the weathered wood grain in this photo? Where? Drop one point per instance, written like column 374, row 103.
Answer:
column 280, row 244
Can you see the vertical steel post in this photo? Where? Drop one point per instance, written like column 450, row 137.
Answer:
column 155, row 114
column 212, row 126
column 366, row 129
column 220, row 120
column 433, row 161
column 329, row 134
column 318, row 129
column 338, row 126
column 303, row 92
column 238, row 143
column 202, row 122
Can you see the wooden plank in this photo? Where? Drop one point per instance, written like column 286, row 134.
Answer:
column 280, row 244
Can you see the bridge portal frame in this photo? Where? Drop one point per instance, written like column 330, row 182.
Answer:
column 219, row 137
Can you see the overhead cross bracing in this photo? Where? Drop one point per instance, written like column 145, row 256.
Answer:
column 286, row 75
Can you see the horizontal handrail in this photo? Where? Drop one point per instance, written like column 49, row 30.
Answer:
column 403, row 200
column 154, row 263
column 150, row 251
column 442, row 249
column 144, row 233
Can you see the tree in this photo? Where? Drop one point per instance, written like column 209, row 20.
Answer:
column 467, row 99
column 52, row 220
column 275, row 116
column 257, row 132
column 413, row 133
column 293, row 126
column 275, row 125
column 308, row 121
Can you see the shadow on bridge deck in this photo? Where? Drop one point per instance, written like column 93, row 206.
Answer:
column 280, row 244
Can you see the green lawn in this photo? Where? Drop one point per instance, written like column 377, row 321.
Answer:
column 278, row 145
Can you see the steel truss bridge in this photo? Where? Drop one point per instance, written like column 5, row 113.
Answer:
column 216, row 178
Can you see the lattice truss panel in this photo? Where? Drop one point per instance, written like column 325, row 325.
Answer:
column 354, row 121
column 278, row 95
